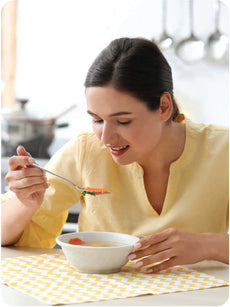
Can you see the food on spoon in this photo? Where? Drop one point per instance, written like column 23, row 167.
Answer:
column 94, row 191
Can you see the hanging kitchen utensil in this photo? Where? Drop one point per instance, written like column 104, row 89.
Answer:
column 191, row 49
column 217, row 44
column 63, row 113
column 164, row 41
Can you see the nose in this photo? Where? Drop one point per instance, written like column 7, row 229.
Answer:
column 108, row 134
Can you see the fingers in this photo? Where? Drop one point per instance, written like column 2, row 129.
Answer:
column 24, row 193
column 23, row 173
column 151, row 250
column 27, row 182
column 22, row 160
column 152, row 254
column 22, row 152
column 32, row 179
column 16, row 162
column 154, row 238
column 169, row 247
column 161, row 256
column 23, row 178
column 163, row 265
column 154, row 248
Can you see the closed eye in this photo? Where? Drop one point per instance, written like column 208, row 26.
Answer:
column 97, row 121
column 124, row 123
column 100, row 121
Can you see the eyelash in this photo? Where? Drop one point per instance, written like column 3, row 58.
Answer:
column 95, row 121
column 124, row 123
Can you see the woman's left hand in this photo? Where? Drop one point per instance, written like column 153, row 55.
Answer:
column 172, row 246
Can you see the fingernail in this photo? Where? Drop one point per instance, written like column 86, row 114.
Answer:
column 22, row 147
column 132, row 256
column 31, row 160
column 137, row 245
column 139, row 263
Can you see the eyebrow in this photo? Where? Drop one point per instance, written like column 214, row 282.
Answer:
column 114, row 114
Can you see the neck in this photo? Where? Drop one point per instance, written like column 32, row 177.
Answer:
column 169, row 149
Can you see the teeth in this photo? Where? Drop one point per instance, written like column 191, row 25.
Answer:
column 119, row 148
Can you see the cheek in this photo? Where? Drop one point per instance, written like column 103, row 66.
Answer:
column 155, row 136
column 147, row 135
column 97, row 130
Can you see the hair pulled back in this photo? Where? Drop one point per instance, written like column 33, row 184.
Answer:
column 136, row 66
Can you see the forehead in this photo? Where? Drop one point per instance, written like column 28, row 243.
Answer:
column 108, row 98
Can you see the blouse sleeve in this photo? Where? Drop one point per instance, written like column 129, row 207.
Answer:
column 48, row 221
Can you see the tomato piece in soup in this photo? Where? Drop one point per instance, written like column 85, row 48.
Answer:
column 76, row 241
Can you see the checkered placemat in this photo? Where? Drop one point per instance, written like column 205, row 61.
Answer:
column 51, row 279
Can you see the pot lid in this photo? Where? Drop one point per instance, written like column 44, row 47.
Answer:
column 23, row 113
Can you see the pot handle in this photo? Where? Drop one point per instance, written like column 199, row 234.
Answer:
column 62, row 125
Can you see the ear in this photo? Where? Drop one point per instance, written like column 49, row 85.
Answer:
column 166, row 106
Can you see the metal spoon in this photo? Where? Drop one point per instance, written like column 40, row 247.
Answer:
column 192, row 48
column 217, row 44
column 164, row 41
column 83, row 190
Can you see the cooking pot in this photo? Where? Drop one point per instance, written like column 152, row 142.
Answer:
column 32, row 130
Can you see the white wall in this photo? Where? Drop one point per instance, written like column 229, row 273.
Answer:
column 59, row 39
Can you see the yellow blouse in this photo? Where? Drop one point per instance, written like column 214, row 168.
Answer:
column 196, row 198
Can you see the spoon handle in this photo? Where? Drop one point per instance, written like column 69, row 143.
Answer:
column 164, row 15
column 191, row 17
column 217, row 15
column 83, row 190
column 63, row 178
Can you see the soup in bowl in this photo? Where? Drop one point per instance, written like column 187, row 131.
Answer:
column 97, row 252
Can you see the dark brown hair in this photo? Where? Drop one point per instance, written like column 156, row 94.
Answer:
column 136, row 66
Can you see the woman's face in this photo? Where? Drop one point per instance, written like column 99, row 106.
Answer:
column 124, row 124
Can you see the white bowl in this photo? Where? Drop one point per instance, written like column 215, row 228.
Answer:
column 97, row 260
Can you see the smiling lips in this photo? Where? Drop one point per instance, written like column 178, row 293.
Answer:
column 118, row 150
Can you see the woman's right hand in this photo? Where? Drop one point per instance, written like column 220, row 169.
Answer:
column 27, row 182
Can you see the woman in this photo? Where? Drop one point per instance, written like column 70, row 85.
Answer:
column 168, row 179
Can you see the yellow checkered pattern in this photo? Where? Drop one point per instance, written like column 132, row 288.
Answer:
column 52, row 280
column 6, row 196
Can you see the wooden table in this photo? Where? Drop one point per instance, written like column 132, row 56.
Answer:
column 206, row 297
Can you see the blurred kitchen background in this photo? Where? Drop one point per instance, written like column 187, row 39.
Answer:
column 48, row 46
